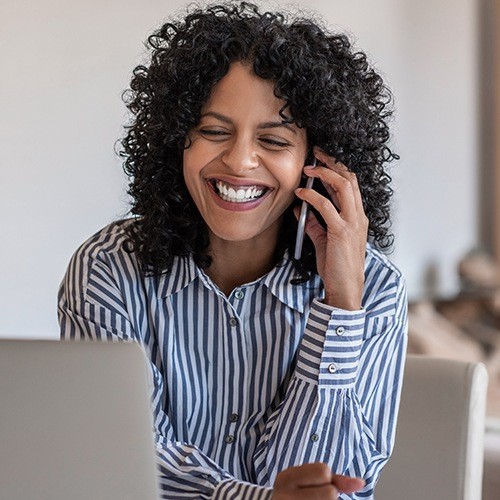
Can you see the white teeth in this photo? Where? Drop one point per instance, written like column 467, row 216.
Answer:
column 237, row 196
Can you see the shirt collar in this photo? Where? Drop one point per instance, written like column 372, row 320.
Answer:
column 184, row 271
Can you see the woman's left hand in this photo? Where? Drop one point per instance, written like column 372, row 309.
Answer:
column 340, row 249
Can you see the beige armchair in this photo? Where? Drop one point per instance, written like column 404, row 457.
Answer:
column 439, row 439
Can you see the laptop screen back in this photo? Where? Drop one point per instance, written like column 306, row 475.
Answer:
column 75, row 422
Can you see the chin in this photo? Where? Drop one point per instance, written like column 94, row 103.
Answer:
column 239, row 231
column 234, row 236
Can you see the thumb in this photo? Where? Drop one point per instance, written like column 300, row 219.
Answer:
column 346, row 484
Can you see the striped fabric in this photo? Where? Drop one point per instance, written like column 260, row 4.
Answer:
column 245, row 386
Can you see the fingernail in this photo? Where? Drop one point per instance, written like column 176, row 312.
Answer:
column 298, row 190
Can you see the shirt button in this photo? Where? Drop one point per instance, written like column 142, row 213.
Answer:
column 234, row 417
column 233, row 321
column 340, row 330
column 239, row 294
column 332, row 368
column 229, row 439
column 314, row 438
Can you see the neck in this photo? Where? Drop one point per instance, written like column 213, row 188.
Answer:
column 235, row 263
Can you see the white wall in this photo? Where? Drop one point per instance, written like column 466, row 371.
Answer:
column 65, row 64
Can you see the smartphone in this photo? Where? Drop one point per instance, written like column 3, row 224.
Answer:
column 299, row 241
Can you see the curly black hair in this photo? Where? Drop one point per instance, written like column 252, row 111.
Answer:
column 328, row 87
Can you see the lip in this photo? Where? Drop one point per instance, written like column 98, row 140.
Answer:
column 236, row 207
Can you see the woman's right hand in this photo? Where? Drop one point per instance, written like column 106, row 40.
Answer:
column 313, row 482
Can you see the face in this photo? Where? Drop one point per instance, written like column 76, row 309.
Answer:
column 244, row 161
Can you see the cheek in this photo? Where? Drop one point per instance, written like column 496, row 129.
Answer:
column 292, row 175
column 295, row 166
column 195, row 158
column 189, row 172
column 190, row 161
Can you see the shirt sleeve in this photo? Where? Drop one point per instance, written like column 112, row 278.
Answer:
column 342, row 402
column 91, row 307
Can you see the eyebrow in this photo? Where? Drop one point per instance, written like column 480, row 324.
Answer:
column 264, row 125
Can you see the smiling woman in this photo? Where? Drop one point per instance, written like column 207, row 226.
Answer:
column 272, row 377
column 327, row 89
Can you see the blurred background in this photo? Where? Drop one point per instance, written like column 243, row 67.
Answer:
column 65, row 64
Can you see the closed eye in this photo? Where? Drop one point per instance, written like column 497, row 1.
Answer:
column 216, row 134
column 274, row 142
column 213, row 133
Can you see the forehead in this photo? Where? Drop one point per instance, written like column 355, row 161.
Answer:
column 241, row 92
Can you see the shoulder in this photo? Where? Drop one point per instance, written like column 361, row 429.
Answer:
column 377, row 262
column 101, row 259
column 110, row 239
column 385, row 287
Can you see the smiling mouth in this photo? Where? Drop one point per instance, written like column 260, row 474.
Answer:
column 237, row 194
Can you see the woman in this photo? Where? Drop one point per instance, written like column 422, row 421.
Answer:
column 271, row 377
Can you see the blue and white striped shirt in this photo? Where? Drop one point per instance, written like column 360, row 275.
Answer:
column 245, row 386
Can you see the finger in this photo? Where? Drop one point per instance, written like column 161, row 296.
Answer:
column 313, row 228
column 315, row 474
column 332, row 194
column 346, row 484
column 342, row 169
column 329, row 161
column 327, row 492
column 315, row 231
column 342, row 188
column 322, row 204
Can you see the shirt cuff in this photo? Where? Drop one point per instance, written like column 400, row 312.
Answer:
column 331, row 346
column 232, row 489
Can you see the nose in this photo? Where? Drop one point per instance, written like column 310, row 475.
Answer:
column 241, row 155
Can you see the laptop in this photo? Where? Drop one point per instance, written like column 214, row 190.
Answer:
column 75, row 422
